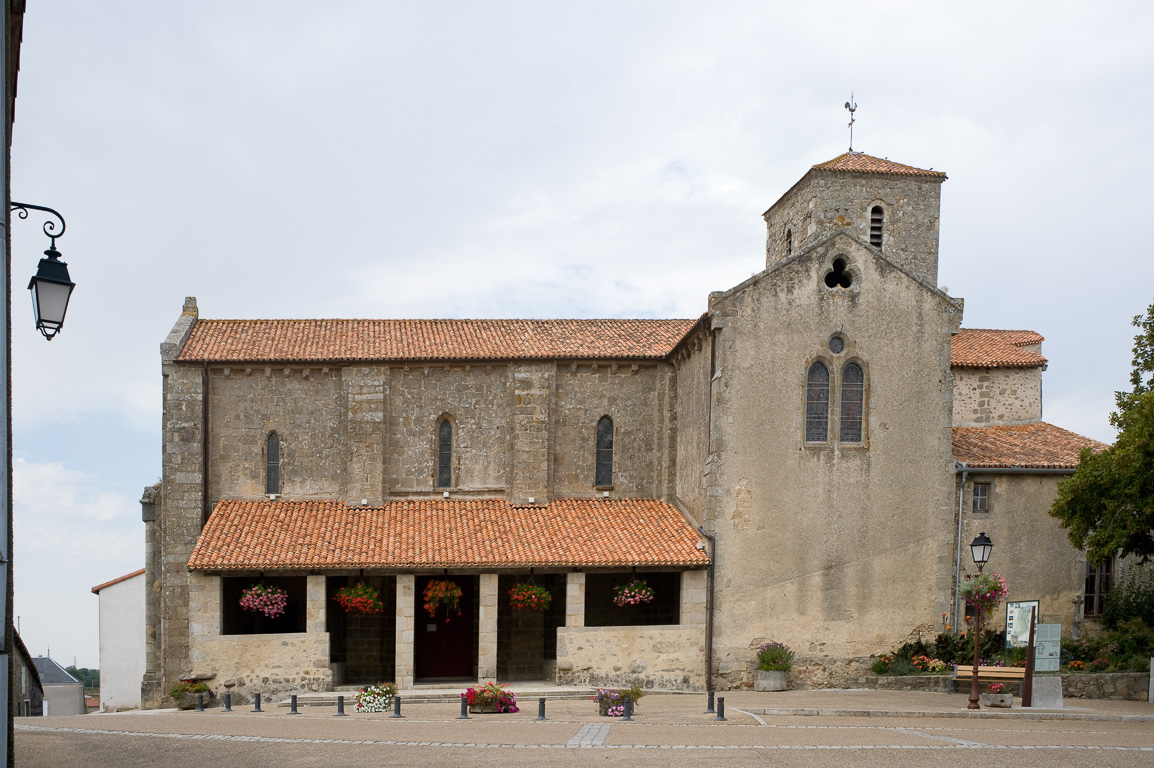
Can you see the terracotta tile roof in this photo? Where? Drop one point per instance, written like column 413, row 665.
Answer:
column 1034, row 446
column 440, row 533
column 858, row 162
column 411, row 340
column 986, row 348
column 125, row 577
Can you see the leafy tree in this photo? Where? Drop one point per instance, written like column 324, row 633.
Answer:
column 90, row 677
column 1107, row 505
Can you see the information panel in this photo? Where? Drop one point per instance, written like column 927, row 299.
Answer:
column 1047, row 647
column 1018, row 622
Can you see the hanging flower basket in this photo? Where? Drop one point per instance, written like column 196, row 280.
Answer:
column 636, row 592
column 266, row 599
column 359, row 599
column 440, row 592
column 529, row 597
column 984, row 592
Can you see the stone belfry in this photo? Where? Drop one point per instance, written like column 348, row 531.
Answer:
column 887, row 205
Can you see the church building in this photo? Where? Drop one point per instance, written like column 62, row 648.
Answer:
column 806, row 462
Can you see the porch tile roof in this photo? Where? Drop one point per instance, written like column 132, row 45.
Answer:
column 445, row 533
column 988, row 348
column 1033, row 446
column 414, row 340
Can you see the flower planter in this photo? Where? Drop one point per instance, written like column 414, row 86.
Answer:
column 483, row 710
column 1004, row 700
column 773, row 680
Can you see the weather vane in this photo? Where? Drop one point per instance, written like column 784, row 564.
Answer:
column 851, row 105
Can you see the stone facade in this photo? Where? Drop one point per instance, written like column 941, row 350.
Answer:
column 985, row 397
column 841, row 548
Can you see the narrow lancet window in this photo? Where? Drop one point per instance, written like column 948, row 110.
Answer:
column 817, row 404
column 604, row 473
column 852, row 403
column 877, row 217
column 788, row 242
column 272, row 464
column 445, row 454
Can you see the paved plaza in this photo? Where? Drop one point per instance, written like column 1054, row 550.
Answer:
column 803, row 728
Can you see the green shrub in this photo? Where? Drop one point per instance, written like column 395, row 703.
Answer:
column 1130, row 599
column 904, row 667
column 188, row 686
column 774, row 657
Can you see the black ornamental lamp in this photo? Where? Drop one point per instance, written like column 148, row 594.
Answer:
column 51, row 288
column 980, row 548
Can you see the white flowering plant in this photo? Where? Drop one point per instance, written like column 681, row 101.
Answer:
column 376, row 698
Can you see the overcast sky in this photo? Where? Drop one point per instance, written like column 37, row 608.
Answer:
column 528, row 159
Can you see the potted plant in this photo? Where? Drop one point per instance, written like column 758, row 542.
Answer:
column 376, row 698
column 264, row 598
column 636, row 592
column 359, row 599
column 996, row 696
column 774, row 660
column 184, row 693
column 490, row 698
column 611, row 703
column 529, row 597
column 440, row 592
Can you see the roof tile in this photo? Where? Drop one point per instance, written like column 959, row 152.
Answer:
column 1033, row 446
column 859, row 162
column 987, row 348
column 445, row 533
column 412, row 340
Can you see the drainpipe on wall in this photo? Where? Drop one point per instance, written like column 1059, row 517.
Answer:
column 709, row 610
column 959, row 466
column 206, row 510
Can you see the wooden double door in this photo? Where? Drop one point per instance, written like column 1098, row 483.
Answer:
column 445, row 644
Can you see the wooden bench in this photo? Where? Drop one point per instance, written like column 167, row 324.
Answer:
column 991, row 674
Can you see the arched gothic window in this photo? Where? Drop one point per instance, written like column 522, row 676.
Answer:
column 604, row 473
column 877, row 217
column 445, row 454
column 817, row 403
column 852, row 402
column 272, row 464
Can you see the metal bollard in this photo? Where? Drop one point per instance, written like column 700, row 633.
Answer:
column 293, row 705
column 228, row 702
column 200, row 702
column 720, row 708
column 627, row 715
column 541, row 708
column 396, row 707
column 256, row 700
column 710, row 710
column 340, row 707
column 464, row 708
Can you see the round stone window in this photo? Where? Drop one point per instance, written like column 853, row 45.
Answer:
column 837, row 345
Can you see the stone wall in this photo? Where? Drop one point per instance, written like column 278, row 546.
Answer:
column 692, row 448
column 627, row 394
column 274, row 665
column 1030, row 551
column 811, row 536
column 304, row 406
column 985, row 397
column 477, row 401
column 668, row 657
column 824, row 202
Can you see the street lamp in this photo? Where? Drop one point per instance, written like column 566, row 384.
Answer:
column 980, row 548
column 51, row 287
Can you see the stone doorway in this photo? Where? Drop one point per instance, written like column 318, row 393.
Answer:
column 446, row 650
column 362, row 647
column 527, row 640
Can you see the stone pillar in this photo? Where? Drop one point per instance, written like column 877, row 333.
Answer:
column 693, row 592
column 574, row 599
column 366, row 395
column 406, row 626
column 487, row 634
column 315, row 607
column 533, row 387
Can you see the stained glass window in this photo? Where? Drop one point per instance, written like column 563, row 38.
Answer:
column 817, row 404
column 445, row 454
column 852, row 403
column 272, row 464
column 604, row 473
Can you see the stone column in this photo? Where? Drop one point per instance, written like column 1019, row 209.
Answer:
column 487, row 634
column 533, row 386
column 574, row 599
column 315, row 604
column 406, row 625
column 693, row 593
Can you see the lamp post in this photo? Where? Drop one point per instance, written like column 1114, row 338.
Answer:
column 980, row 548
column 51, row 288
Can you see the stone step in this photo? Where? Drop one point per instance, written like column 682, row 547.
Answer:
column 428, row 695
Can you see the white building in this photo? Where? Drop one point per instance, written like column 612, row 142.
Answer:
column 121, row 641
